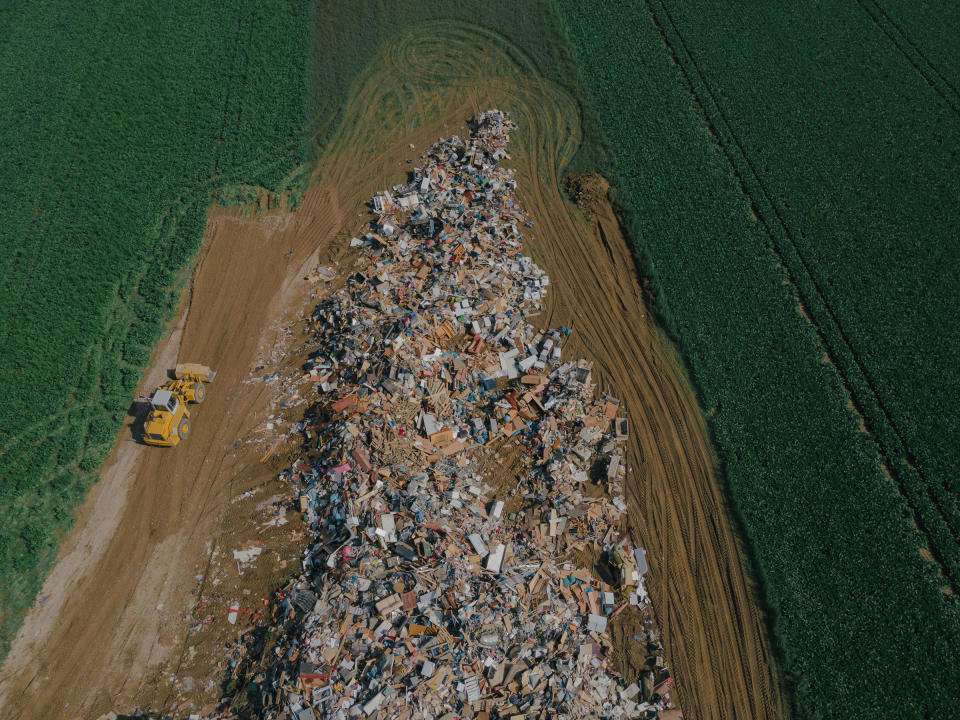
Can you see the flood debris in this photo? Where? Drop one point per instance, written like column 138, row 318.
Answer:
column 456, row 471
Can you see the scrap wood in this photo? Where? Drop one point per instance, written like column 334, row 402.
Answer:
column 271, row 450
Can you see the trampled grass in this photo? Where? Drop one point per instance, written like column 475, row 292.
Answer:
column 768, row 160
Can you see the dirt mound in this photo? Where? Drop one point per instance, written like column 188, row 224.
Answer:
column 588, row 190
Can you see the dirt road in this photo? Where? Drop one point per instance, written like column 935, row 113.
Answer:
column 109, row 612
column 109, row 632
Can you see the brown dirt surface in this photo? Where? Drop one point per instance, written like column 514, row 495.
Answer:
column 702, row 597
column 590, row 191
column 134, row 610
column 114, row 613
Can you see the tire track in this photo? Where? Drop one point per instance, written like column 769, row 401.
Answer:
column 106, row 648
column 939, row 83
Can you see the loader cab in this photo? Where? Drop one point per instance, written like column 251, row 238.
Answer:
column 168, row 421
column 165, row 400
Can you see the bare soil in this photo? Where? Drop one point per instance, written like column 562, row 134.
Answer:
column 114, row 613
column 135, row 612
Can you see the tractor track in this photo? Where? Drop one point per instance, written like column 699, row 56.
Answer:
column 424, row 84
column 913, row 54
column 732, row 148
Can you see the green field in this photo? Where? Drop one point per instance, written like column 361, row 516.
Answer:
column 788, row 175
column 119, row 121
column 771, row 159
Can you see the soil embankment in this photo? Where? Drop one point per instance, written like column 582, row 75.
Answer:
column 109, row 631
column 701, row 593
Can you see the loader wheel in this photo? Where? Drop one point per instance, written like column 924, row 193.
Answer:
column 183, row 429
column 199, row 393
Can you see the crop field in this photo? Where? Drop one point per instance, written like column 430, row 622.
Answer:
column 152, row 108
column 155, row 112
column 375, row 74
column 789, row 179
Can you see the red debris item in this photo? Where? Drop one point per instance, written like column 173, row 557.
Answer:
column 346, row 402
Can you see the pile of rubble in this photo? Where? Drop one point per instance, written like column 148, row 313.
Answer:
column 457, row 470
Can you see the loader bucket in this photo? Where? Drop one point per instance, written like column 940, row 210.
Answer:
column 194, row 371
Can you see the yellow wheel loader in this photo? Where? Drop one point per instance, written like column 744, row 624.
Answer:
column 169, row 420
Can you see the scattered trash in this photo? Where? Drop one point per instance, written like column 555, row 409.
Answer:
column 436, row 586
column 461, row 482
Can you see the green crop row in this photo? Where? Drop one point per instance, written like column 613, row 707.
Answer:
column 119, row 121
column 764, row 160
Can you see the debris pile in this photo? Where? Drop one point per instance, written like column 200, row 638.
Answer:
column 456, row 472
